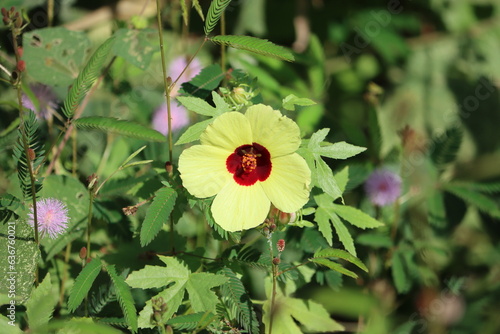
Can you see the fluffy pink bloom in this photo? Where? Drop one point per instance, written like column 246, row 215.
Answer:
column 47, row 101
column 52, row 217
column 383, row 187
column 180, row 118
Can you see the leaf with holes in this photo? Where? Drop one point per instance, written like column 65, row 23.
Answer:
column 55, row 56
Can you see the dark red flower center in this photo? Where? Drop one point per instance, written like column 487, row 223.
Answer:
column 249, row 164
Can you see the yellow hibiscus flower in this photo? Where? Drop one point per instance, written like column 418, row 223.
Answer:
column 248, row 161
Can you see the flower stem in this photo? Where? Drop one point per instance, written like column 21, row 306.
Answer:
column 89, row 222
column 222, row 46
column 165, row 81
column 25, row 143
column 275, row 275
column 65, row 273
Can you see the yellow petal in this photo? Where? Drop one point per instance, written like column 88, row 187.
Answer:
column 288, row 185
column 278, row 133
column 237, row 208
column 203, row 170
column 228, row 131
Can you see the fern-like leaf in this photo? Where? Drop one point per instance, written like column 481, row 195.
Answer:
column 217, row 7
column 124, row 297
column 239, row 300
column 488, row 188
column 30, row 129
column 255, row 45
column 192, row 321
column 40, row 305
column 104, row 295
column 116, row 322
column 157, row 214
column 341, row 254
column 445, row 147
column 122, row 127
column 474, row 198
column 86, row 78
column 83, row 283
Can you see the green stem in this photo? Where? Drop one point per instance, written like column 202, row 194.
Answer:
column 65, row 273
column 222, row 46
column 273, row 293
column 165, row 80
column 24, row 139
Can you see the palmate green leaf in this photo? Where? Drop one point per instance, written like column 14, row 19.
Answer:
column 179, row 279
column 124, row 297
column 204, row 83
column 41, row 304
column 83, row 283
column 238, row 299
column 326, row 218
column 199, row 287
column 194, row 132
column 322, row 176
column 87, row 77
column 474, row 198
column 356, row 217
column 122, row 127
column 335, row 266
column 172, row 297
column 291, row 101
column 215, row 11
column 158, row 213
column 255, row 45
column 339, row 150
column 326, row 180
column 287, row 310
column 197, row 105
column 192, row 321
column 339, row 253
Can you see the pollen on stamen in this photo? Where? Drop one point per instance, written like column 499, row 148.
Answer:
column 249, row 162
